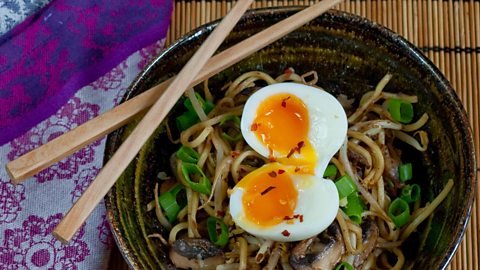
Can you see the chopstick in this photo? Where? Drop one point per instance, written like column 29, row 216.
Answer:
column 42, row 157
column 80, row 211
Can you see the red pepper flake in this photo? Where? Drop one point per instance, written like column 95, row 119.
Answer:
column 291, row 152
column 254, row 127
column 284, row 102
column 288, row 71
column 297, row 169
column 272, row 174
column 301, row 218
column 287, row 218
column 235, row 153
column 296, row 216
column 285, row 233
column 299, row 146
column 281, row 171
column 267, row 190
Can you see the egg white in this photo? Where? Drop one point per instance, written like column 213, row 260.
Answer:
column 327, row 118
column 317, row 201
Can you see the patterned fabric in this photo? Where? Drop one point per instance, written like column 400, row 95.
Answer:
column 14, row 11
column 31, row 210
column 48, row 57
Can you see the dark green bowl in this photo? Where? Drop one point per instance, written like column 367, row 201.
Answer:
column 351, row 54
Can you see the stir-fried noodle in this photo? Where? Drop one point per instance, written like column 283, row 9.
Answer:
column 368, row 156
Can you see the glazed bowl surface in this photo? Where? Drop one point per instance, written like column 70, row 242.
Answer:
column 350, row 54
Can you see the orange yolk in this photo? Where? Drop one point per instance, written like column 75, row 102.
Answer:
column 282, row 124
column 269, row 195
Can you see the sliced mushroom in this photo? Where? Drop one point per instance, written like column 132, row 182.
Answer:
column 369, row 239
column 195, row 254
column 321, row 252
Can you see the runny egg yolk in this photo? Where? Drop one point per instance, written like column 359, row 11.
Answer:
column 269, row 195
column 282, row 125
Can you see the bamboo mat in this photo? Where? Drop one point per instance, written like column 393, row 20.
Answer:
column 447, row 31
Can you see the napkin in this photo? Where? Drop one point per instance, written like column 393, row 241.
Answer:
column 69, row 61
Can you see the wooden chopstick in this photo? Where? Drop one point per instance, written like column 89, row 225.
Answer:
column 152, row 119
column 68, row 143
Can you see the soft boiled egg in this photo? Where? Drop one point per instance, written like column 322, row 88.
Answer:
column 299, row 128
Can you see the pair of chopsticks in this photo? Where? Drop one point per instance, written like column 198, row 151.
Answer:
column 163, row 97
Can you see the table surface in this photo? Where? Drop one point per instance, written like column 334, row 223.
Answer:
column 448, row 32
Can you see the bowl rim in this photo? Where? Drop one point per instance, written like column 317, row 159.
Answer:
column 438, row 76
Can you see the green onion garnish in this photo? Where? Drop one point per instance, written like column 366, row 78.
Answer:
column 405, row 172
column 330, row 171
column 186, row 120
column 400, row 110
column 345, row 186
column 230, row 125
column 216, row 238
column 399, row 212
column 187, row 154
column 196, row 178
column 190, row 117
column 354, row 208
column 344, row 266
column 410, row 193
column 169, row 203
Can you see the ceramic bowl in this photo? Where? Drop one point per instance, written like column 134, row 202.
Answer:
column 350, row 54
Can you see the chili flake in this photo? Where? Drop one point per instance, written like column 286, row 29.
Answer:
column 281, row 171
column 289, row 71
column 272, row 174
column 291, row 152
column 285, row 233
column 284, row 102
column 267, row 190
column 254, row 127
column 235, row 153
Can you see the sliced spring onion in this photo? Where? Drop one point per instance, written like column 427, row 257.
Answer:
column 216, row 238
column 187, row 154
column 206, row 106
column 230, row 125
column 344, row 266
column 345, row 186
column 399, row 212
column 405, row 172
column 354, row 208
column 190, row 117
column 186, row 120
column 170, row 204
column 410, row 193
column 196, row 178
column 330, row 171
column 400, row 110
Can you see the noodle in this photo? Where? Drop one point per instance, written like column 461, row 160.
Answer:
column 427, row 211
column 366, row 156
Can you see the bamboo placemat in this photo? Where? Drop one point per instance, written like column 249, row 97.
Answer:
column 447, row 31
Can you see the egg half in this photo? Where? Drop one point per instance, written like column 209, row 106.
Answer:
column 299, row 128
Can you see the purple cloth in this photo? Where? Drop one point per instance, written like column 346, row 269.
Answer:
column 65, row 46
column 68, row 63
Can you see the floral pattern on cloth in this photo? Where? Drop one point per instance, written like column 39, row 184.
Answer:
column 32, row 246
column 14, row 11
column 66, row 45
column 30, row 211
column 55, row 189
column 68, row 117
